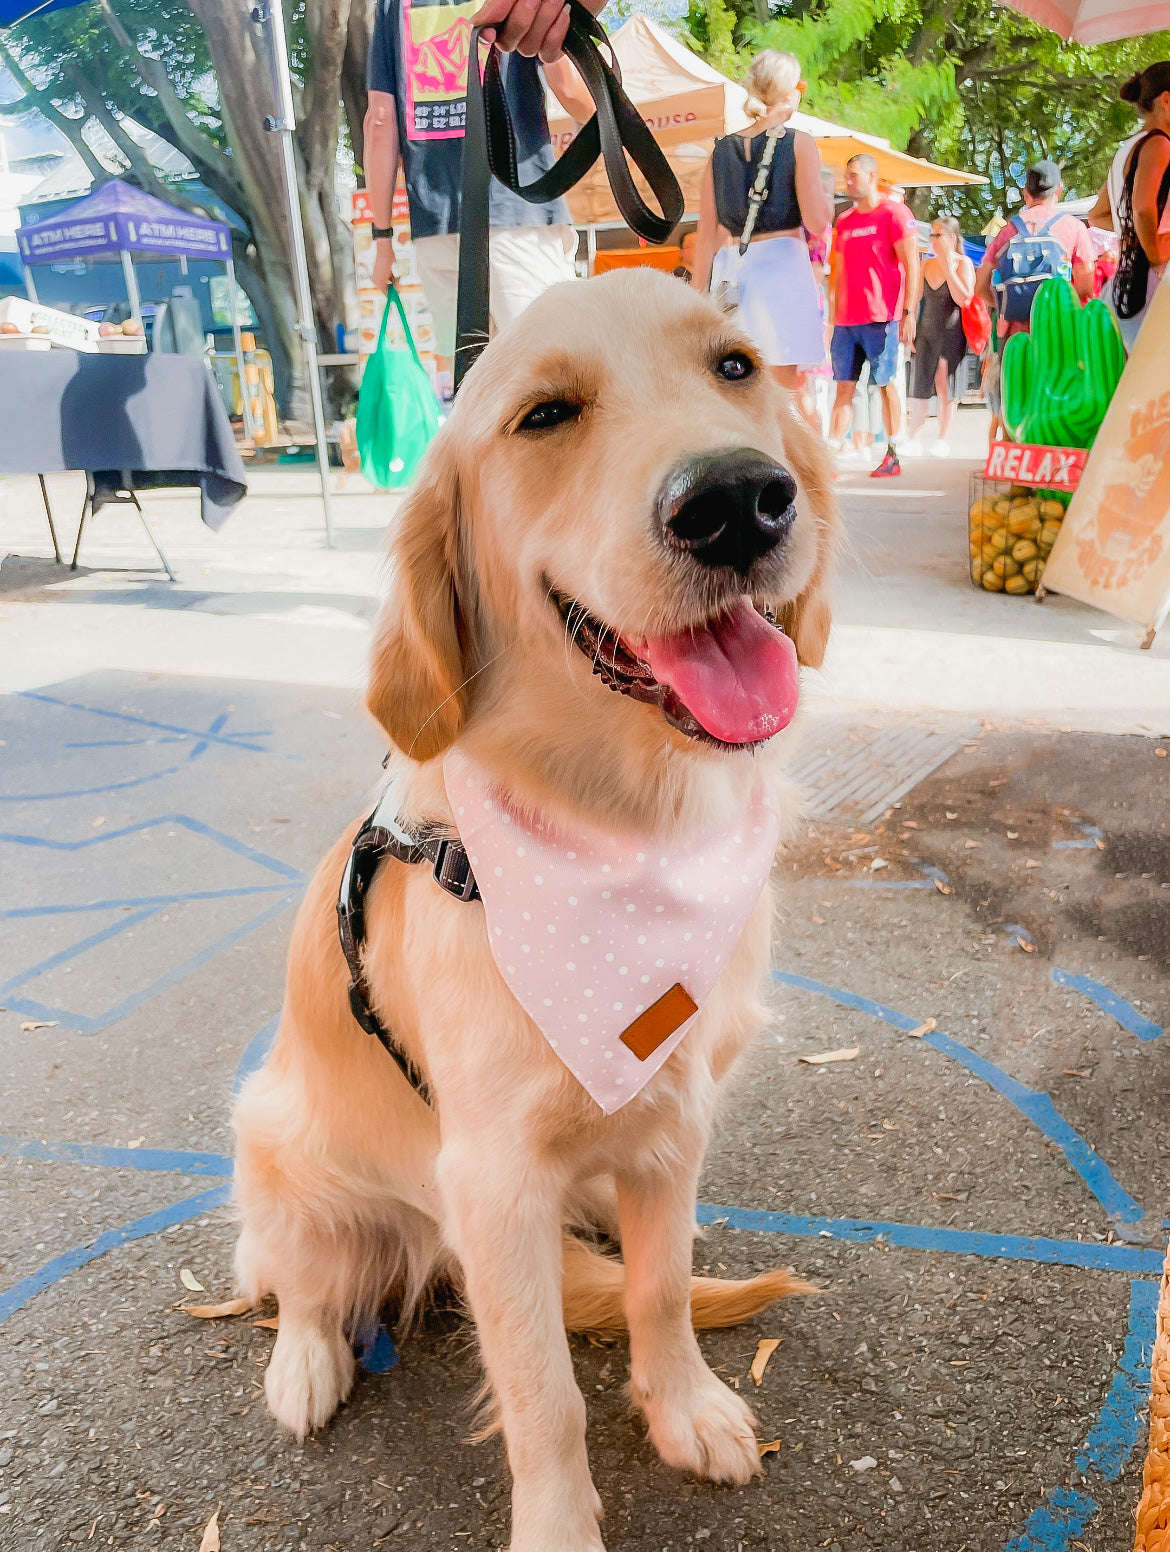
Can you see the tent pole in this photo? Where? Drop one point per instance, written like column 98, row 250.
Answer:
column 590, row 248
column 132, row 286
column 29, row 284
column 270, row 15
column 237, row 344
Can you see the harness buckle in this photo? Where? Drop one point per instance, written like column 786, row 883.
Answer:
column 452, row 871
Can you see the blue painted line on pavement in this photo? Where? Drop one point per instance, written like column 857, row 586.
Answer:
column 152, row 1160
column 253, row 1055
column 1094, row 839
column 1114, row 1436
column 931, row 878
column 1035, row 1107
column 194, row 826
column 968, row 1242
column 27, row 1288
column 54, row 961
column 1110, row 1002
column 124, row 743
column 211, row 735
column 1056, row 1524
column 86, row 1025
column 895, row 883
column 88, row 792
column 25, row 912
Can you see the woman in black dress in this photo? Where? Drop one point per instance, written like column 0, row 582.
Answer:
column 948, row 284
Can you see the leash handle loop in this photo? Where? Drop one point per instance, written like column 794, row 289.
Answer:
column 489, row 146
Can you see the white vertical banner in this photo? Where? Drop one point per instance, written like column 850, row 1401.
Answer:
column 1114, row 545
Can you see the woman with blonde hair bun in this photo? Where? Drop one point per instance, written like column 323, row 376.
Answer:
column 761, row 188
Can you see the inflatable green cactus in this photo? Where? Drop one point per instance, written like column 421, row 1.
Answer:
column 1059, row 378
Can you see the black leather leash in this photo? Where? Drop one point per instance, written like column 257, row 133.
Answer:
column 489, row 146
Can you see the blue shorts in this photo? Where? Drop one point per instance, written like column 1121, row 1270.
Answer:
column 855, row 343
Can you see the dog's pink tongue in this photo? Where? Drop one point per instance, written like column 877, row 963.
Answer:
column 739, row 677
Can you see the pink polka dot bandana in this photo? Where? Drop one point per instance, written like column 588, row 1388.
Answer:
column 590, row 929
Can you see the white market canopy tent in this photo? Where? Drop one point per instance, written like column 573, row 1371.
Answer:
column 1096, row 21
column 687, row 103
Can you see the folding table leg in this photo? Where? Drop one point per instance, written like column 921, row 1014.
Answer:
column 80, row 530
column 153, row 539
column 49, row 515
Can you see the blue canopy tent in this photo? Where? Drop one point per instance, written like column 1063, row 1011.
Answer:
column 269, row 15
column 118, row 222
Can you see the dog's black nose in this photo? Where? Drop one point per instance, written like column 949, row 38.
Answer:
column 727, row 509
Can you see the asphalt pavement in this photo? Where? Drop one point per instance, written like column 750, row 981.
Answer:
column 976, row 925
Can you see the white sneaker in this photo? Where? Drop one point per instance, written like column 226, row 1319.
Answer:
column 910, row 449
column 847, row 454
column 940, row 449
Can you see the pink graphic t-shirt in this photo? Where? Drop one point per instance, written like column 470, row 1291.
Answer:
column 870, row 280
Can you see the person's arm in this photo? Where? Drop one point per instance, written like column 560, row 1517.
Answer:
column 529, row 26
column 960, row 273
column 709, row 235
column 1101, row 215
column 986, row 270
column 569, row 89
column 816, row 208
column 1083, row 259
column 1153, row 159
column 381, row 170
column 1084, row 279
column 906, row 247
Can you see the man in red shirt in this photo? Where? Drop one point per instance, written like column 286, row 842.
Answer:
column 873, row 300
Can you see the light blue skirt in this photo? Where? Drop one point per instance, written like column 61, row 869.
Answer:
column 779, row 303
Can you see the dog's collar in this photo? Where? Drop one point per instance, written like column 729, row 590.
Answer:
column 382, row 836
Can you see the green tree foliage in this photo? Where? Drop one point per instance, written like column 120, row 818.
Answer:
column 967, row 83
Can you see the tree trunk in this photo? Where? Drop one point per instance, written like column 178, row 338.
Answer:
column 353, row 77
column 246, row 99
column 246, row 91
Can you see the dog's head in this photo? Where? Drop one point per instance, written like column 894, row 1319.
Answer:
column 623, row 500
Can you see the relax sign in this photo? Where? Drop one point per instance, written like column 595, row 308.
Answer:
column 1044, row 468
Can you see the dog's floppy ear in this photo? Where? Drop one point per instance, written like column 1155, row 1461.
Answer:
column 417, row 670
column 808, row 618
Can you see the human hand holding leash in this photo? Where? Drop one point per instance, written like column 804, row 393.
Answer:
column 529, row 26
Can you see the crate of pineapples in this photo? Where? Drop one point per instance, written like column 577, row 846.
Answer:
column 1012, row 530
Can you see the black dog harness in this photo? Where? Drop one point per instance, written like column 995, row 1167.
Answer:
column 382, row 836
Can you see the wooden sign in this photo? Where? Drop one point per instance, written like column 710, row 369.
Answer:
column 1043, row 468
column 1114, row 545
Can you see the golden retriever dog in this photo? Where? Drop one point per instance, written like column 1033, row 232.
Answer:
column 617, row 548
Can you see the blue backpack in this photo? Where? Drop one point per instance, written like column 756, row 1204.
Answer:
column 1029, row 259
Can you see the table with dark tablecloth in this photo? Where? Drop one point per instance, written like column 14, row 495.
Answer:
column 131, row 422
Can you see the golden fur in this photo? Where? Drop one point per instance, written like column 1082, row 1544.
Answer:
column 349, row 1187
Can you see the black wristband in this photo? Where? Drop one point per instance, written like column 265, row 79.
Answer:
column 380, row 233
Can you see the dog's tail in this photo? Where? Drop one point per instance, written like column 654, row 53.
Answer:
column 594, row 1288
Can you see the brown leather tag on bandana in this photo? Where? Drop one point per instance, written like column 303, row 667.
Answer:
column 659, row 1021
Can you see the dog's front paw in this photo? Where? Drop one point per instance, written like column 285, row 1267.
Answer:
column 706, row 1429
column 309, row 1375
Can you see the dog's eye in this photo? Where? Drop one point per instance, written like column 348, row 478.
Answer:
column 550, row 413
column 735, row 366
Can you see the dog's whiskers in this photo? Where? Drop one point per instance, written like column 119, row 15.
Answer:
column 455, row 692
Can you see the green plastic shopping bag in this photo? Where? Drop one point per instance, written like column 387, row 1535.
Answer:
column 397, row 413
